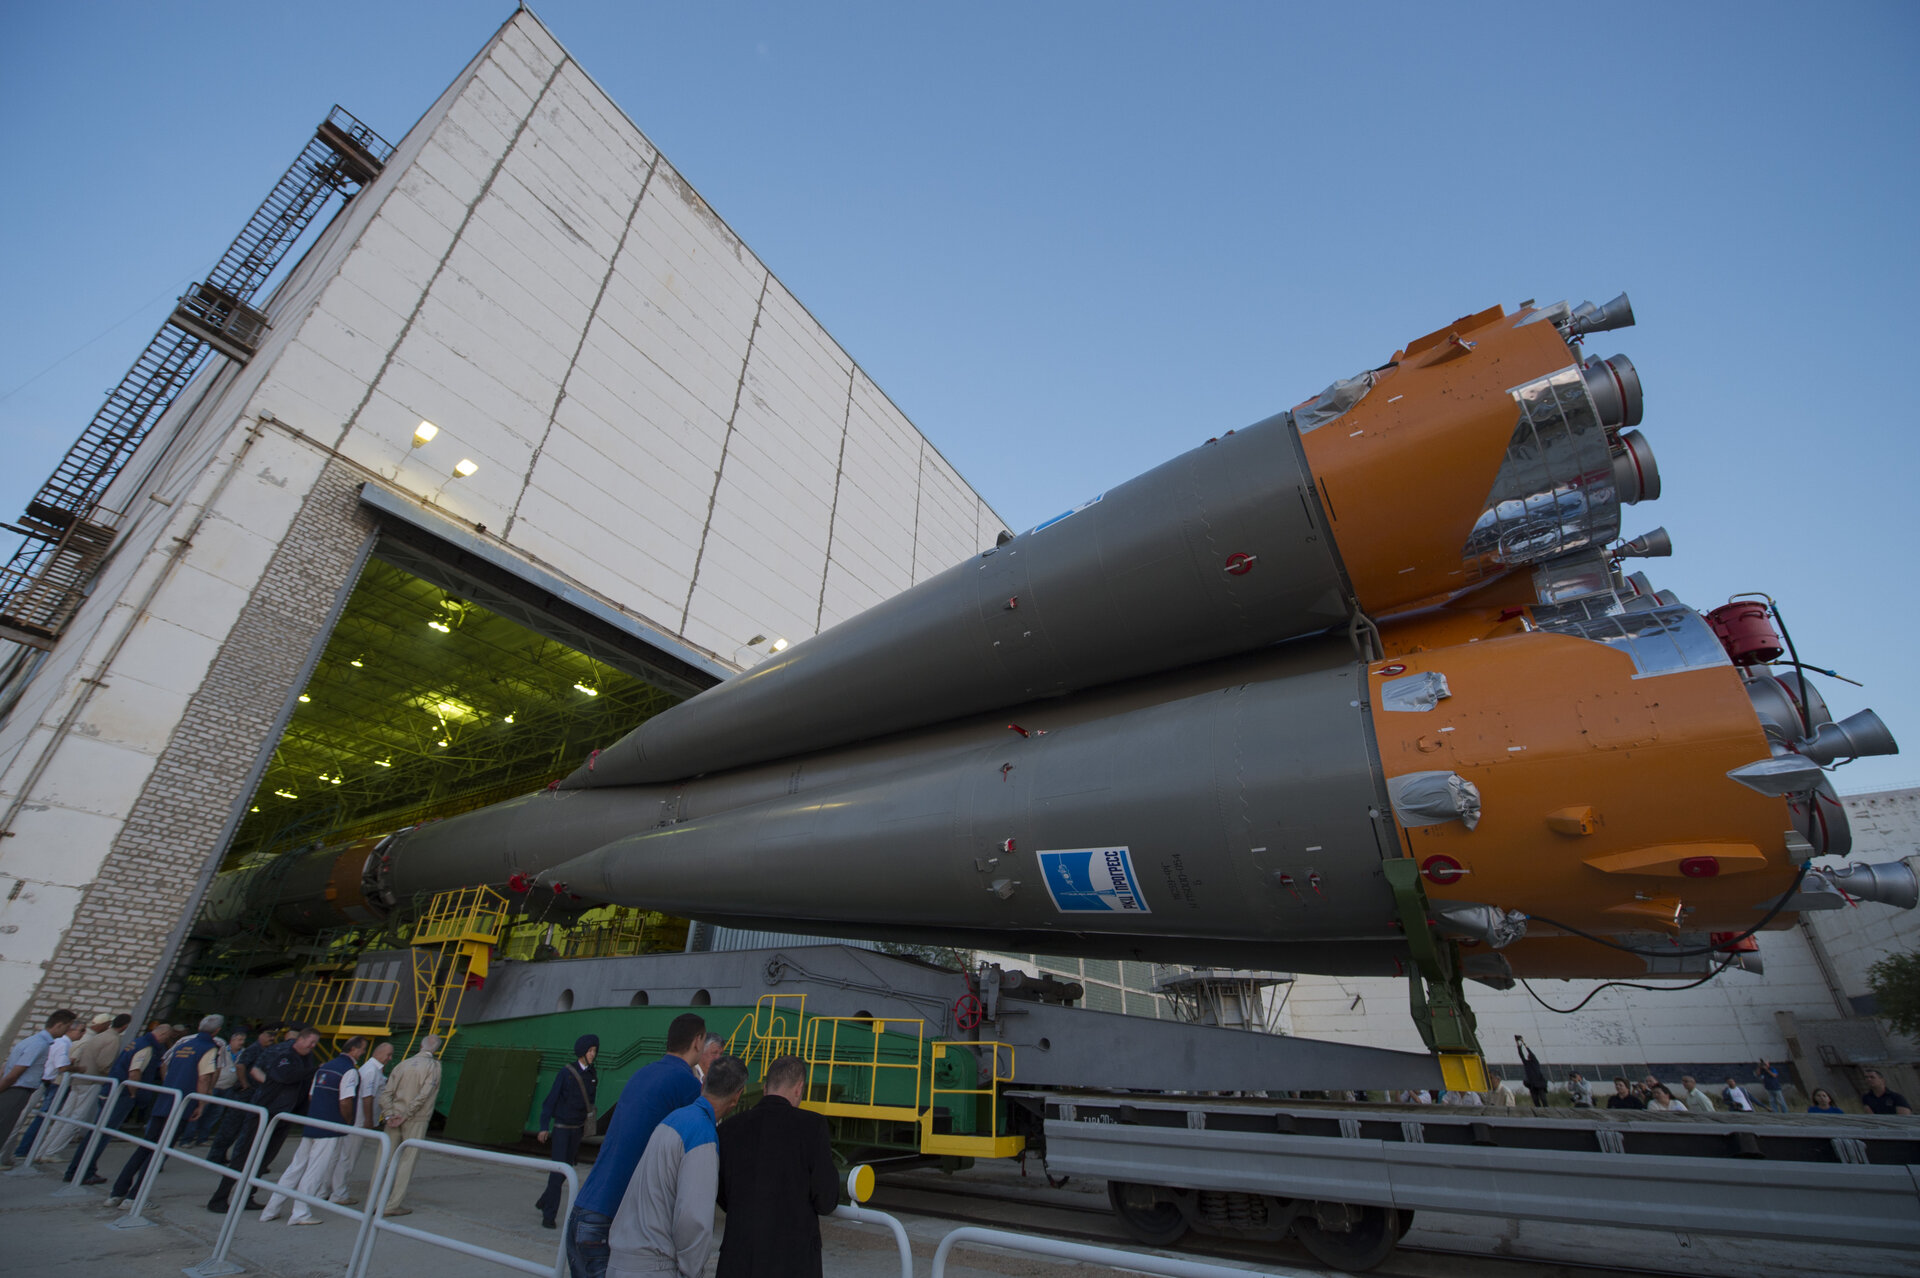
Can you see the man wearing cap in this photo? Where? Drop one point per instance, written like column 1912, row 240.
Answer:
column 93, row 1054
column 563, row 1119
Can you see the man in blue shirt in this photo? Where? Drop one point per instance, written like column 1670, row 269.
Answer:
column 21, row 1080
column 649, row 1096
column 138, row 1062
column 664, row 1227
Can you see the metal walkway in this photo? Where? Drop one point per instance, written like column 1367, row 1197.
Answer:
column 66, row 533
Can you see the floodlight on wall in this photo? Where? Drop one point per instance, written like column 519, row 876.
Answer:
column 465, row 467
column 779, row 645
column 424, row 433
column 304, row 698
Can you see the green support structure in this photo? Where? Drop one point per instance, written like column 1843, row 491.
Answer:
column 1435, row 987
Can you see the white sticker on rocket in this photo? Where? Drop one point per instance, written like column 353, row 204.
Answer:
column 1092, row 881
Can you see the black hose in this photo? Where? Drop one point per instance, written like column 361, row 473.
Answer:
column 1806, row 711
column 1628, row 985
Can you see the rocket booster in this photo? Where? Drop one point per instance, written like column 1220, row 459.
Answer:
column 1192, row 719
column 1403, row 486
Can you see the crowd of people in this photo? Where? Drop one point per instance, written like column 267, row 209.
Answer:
column 667, row 1161
column 278, row 1068
column 646, row 1207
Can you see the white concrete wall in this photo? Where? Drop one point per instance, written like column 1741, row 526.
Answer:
column 654, row 417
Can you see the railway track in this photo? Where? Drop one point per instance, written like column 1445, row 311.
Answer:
column 1056, row 1213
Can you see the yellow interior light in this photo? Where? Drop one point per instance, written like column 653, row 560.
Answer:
column 591, row 692
column 424, row 433
column 305, row 698
column 441, row 626
column 508, row 719
column 383, row 763
column 355, row 663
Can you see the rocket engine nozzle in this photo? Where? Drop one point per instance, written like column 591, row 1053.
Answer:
column 1653, row 545
column 1588, row 318
column 1615, row 387
column 1854, row 737
column 1636, row 475
column 1885, row 882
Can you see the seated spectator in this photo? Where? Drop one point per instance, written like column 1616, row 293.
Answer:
column 1663, row 1102
column 1878, row 1099
column 1824, row 1103
column 1624, row 1097
column 1736, row 1098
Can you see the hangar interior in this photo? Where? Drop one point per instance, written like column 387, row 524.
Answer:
column 440, row 688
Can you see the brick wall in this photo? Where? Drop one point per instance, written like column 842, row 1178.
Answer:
column 151, row 878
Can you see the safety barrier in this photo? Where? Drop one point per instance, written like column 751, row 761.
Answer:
column 862, row 1066
column 163, row 1150
column 249, row 1179
column 46, row 1116
column 860, row 1188
column 97, row 1132
column 383, row 1185
column 1139, row 1262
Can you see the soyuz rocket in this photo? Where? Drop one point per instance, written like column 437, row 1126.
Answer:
column 1233, row 711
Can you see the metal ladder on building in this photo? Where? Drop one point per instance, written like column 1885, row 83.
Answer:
column 66, row 533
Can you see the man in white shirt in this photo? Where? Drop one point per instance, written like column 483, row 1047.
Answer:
column 1697, row 1101
column 1736, row 1098
column 366, row 1095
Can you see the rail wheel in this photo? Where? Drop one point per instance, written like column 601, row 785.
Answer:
column 1347, row 1236
column 1150, row 1219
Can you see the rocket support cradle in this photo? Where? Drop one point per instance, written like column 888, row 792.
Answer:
column 1195, row 718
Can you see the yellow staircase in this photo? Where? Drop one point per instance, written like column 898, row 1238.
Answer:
column 452, row 947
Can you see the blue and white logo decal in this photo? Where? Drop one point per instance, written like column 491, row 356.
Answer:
column 1048, row 523
column 1092, row 881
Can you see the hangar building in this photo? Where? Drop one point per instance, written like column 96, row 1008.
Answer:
column 525, row 445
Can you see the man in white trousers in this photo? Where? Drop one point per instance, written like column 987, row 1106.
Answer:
column 366, row 1114
column 331, row 1096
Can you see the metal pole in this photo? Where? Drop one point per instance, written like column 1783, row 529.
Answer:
column 98, row 1128
column 362, row 1256
column 48, row 1117
column 866, row 1216
column 1136, row 1261
column 217, row 1263
column 151, row 1173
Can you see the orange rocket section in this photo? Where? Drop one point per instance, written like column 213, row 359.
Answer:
column 1604, row 799
column 1405, row 473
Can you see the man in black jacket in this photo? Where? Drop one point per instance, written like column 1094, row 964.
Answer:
column 284, row 1073
column 776, row 1181
column 569, row 1103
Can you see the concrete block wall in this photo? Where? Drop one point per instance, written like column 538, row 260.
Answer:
column 655, row 419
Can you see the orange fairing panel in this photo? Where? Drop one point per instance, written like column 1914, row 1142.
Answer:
column 1604, row 800
column 1406, row 472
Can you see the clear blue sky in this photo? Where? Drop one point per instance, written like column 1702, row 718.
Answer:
column 1073, row 239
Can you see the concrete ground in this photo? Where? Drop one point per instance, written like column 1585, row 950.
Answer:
column 493, row 1207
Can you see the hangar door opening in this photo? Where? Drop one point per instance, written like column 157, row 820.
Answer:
column 443, row 687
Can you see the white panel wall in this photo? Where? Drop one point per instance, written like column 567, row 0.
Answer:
column 654, row 417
